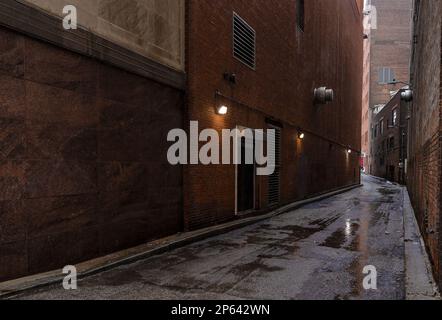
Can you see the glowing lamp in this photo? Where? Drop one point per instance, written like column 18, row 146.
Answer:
column 222, row 110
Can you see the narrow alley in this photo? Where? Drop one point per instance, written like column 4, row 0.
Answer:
column 198, row 150
column 317, row 252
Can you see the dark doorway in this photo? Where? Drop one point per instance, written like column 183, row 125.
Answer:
column 245, row 182
column 391, row 173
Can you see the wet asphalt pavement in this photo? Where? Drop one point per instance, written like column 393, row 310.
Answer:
column 317, row 252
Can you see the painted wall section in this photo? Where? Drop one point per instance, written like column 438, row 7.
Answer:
column 152, row 28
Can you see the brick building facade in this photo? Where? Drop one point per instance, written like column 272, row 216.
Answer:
column 390, row 138
column 83, row 122
column 425, row 152
column 390, row 41
column 310, row 44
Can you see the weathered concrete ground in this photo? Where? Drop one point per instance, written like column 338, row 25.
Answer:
column 317, row 252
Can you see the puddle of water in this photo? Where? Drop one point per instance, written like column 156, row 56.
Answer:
column 336, row 240
column 257, row 265
column 386, row 192
column 324, row 223
column 342, row 236
column 116, row 278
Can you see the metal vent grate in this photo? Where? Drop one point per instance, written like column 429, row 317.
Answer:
column 244, row 41
column 386, row 75
column 275, row 178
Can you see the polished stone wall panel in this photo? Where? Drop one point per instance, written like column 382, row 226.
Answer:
column 83, row 167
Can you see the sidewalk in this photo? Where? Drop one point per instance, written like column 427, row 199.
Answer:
column 420, row 284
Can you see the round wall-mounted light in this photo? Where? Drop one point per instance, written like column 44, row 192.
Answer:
column 349, row 151
column 407, row 96
column 301, row 134
column 222, row 110
column 324, row 95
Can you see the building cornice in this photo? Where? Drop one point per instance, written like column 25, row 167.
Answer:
column 38, row 24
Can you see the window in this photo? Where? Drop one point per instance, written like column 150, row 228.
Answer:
column 392, row 143
column 386, row 75
column 300, row 14
column 244, row 41
column 382, row 127
column 395, row 117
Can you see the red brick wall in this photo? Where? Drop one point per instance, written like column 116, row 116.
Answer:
column 83, row 168
column 290, row 64
column 390, row 46
column 425, row 174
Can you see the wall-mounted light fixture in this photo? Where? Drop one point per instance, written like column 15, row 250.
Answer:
column 407, row 95
column 222, row 110
column 323, row 95
column 301, row 134
column 221, row 107
column 230, row 77
column 349, row 151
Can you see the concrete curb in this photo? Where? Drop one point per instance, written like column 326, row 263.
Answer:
column 420, row 284
column 11, row 289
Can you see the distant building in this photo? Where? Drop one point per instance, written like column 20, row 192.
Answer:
column 389, row 140
column 425, row 150
column 390, row 51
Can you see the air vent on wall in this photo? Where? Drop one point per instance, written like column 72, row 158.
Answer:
column 386, row 75
column 244, row 40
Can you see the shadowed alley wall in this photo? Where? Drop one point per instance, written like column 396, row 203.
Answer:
column 424, row 172
column 83, row 171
